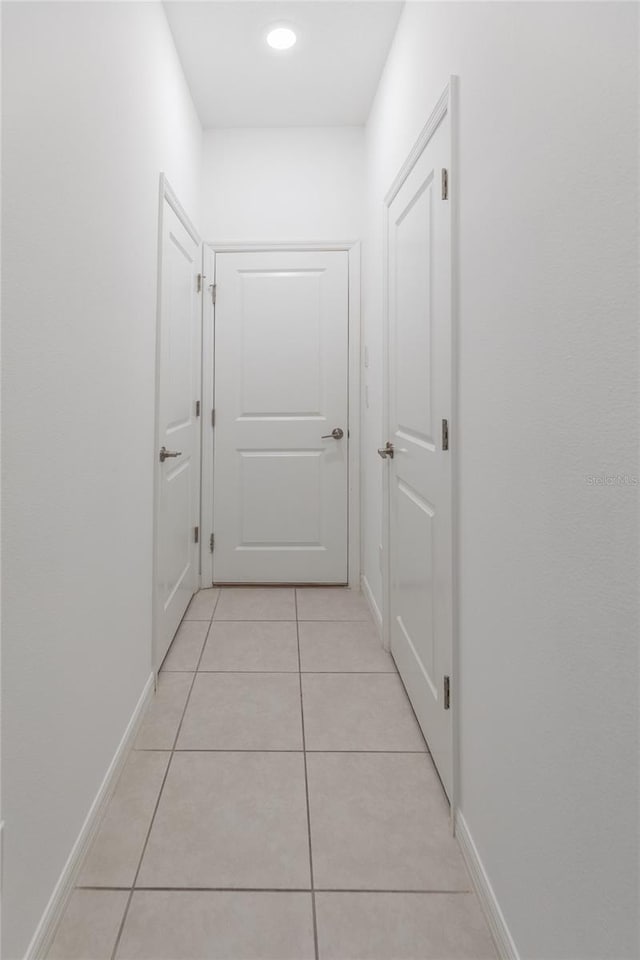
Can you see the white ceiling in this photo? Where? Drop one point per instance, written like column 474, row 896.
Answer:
column 327, row 79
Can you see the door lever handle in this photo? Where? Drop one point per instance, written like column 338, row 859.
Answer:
column 386, row 451
column 337, row 433
column 166, row 454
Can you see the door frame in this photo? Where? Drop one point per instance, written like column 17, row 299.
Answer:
column 352, row 248
column 447, row 104
column 167, row 194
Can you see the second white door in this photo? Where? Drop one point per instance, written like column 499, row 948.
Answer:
column 281, row 417
column 419, row 411
column 178, row 433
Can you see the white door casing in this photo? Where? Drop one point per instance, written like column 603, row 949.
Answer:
column 419, row 402
column 176, row 562
column 281, row 386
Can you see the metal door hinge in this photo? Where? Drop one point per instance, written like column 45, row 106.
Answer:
column 197, row 408
column 199, row 280
column 214, row 291
column 445, row 184
column 445, row 434
column 212, row 540
column 196, row 534
column 213, row 418
column 447, row 693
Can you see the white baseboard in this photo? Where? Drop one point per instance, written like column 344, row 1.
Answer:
column 45, row 931
column 373, row 606
column 491, row 908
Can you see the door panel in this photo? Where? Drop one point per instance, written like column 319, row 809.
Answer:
column 281, row 349
column 178, row 430
column 419, row 277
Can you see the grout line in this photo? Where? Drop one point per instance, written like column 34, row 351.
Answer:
column 160, row 792
column 306, row 787
column 282, row 620
column 402, row 892
column 374, row 673
column 411, row 753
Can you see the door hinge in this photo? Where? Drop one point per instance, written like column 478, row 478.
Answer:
column 445, row 434
column 197, row 408
column 212, row 540
column 445, row 184
column 213, row 418
column 196, row 534
column 199, row 280
column 214, row 291
column 447, row 693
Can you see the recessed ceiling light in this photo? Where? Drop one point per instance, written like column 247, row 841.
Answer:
column 281, row 38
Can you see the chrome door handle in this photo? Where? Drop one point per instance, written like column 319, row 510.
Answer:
column 166, row 454
column 337, row 433
column 386, row 451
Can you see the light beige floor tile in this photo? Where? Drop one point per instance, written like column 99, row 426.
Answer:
column 162, row 719
column 331, row 603
column 89, row 926
column 230, row 820
column 251, row 645
column 381, row 822
column 218, row 926
column 187, row 645
column 114, row 855
column 342, row 646
column 202, row 605
column 256, row 603
column 358, row 711
column 243, row 711
column 402, row 926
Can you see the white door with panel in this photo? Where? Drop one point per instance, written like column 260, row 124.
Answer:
column 178, row 434
column 281, row 417
column 419, row 410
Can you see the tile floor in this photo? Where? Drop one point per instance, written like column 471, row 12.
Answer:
column 279, row 804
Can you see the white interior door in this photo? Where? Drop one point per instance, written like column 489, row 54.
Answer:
column 178, row 436
column 281, row 386
column 419, row 401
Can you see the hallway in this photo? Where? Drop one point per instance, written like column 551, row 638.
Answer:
column 279, row 802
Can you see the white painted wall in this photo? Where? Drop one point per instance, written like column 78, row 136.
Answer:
column 283, row 184
column 95, row 106
column 548, row 364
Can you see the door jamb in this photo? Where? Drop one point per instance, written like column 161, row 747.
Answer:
column 165, row 193
column 352, row 248
column 446, row 104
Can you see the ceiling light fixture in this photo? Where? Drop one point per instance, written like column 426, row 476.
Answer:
column 281, row 38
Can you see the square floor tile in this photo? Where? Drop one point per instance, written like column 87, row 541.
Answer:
column 202, row 605
column 252, row 645
column 358, row 711
column 256, row 603
column 381, row 822
column 165, row 925
column 342, row 646
column 186, row 647
column 89, row 926
column 164, row 713
column 402, row 926
column 114, row 855
column 243, row 711
column 331, row 603
column 230, row 820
